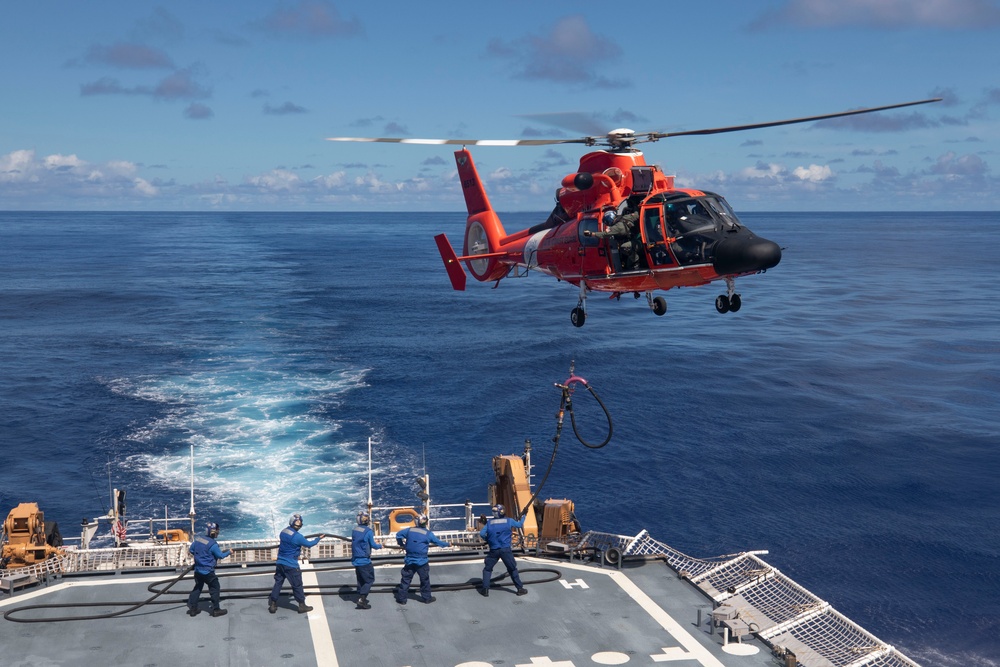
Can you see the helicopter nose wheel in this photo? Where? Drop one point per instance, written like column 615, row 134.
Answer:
column 729, row 302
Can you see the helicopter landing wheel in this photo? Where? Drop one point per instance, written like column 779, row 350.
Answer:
column 659, row 306
column 578, row 316
column 722, row 303
column 735, row 303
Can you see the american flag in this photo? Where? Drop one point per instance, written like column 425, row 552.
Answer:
column 119, row 530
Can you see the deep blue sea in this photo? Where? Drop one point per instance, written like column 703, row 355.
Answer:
column 846, row 419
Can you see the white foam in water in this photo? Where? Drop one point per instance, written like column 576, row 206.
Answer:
column 264, row 444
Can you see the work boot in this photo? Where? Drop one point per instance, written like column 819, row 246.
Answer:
column 193, row 611
column 304, row 608
column 485, row 592
column 522, row 591
column 219, row 612
column 428, row 600
column 363, row 603
column 272, row 606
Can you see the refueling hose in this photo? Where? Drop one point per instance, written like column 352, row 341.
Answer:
column 566, row 405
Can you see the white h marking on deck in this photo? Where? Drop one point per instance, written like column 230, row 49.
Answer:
column 570, row 584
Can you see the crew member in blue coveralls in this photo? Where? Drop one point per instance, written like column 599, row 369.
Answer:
column 206, row 553
column 497, row 532
column 287, row 565
column 362, row 543
column 416, row 540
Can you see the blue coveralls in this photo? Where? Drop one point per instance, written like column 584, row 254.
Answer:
column 362, row 543
column 497, row 532
column 416, row 540
column 287, row 564
column 206, row 552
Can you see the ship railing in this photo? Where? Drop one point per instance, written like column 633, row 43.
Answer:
column 644, row 545
column 782, row 613
column 176, row 555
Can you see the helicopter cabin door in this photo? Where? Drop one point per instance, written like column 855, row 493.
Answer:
column 594, row 255
column 655, row 240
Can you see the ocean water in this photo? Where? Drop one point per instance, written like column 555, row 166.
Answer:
column 845, row 419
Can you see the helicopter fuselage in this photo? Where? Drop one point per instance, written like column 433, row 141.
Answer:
column 681, row 237
column 619, row 226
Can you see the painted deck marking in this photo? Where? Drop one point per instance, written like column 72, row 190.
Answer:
column 546, row 661
column 570, row 584
column 694, row 650
column 319, row 626
column 672, row 653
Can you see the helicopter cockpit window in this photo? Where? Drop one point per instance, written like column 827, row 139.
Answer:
column 723, row 212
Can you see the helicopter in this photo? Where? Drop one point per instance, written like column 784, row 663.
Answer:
column 619, row 225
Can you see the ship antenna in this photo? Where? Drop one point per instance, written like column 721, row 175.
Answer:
column 369, row 474
column 191, row 511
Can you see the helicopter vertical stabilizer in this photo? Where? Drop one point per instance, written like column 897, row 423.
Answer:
column 483, row 230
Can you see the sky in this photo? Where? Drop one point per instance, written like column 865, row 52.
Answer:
column 221, row 105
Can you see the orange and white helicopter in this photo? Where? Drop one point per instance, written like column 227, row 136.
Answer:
column 619, row 224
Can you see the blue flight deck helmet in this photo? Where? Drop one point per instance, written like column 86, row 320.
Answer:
column 363, row 518
column 422, row 520
column 296, row 521
column 212, row 529
column 498, row 511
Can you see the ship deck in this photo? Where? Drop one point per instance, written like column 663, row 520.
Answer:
column 575, row 614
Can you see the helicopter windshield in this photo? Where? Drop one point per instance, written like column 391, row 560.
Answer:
column 698, row 215
column 694, row 223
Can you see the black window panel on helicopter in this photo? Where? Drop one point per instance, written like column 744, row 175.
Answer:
column 642, row 180
column 589, row 225
column 695, row 222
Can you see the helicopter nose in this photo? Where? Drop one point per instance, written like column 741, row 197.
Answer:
column 745, row 255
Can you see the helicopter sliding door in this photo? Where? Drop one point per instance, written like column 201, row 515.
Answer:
column 655, row 240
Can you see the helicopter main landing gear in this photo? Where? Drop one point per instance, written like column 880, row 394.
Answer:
column 658, row 304
column 729, row 302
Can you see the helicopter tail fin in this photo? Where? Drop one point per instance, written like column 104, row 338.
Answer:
column 483, row 230
column 455, row 271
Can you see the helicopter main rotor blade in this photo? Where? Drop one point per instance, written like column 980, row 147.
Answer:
column 465, row 142
column 653, row 136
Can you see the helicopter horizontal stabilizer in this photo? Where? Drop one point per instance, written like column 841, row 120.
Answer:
column 451, row 264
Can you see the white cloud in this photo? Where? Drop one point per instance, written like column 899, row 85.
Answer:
column 23, row 174
column 814, row 173
column 277, row 180
column 763, row 171
column 18, row 166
